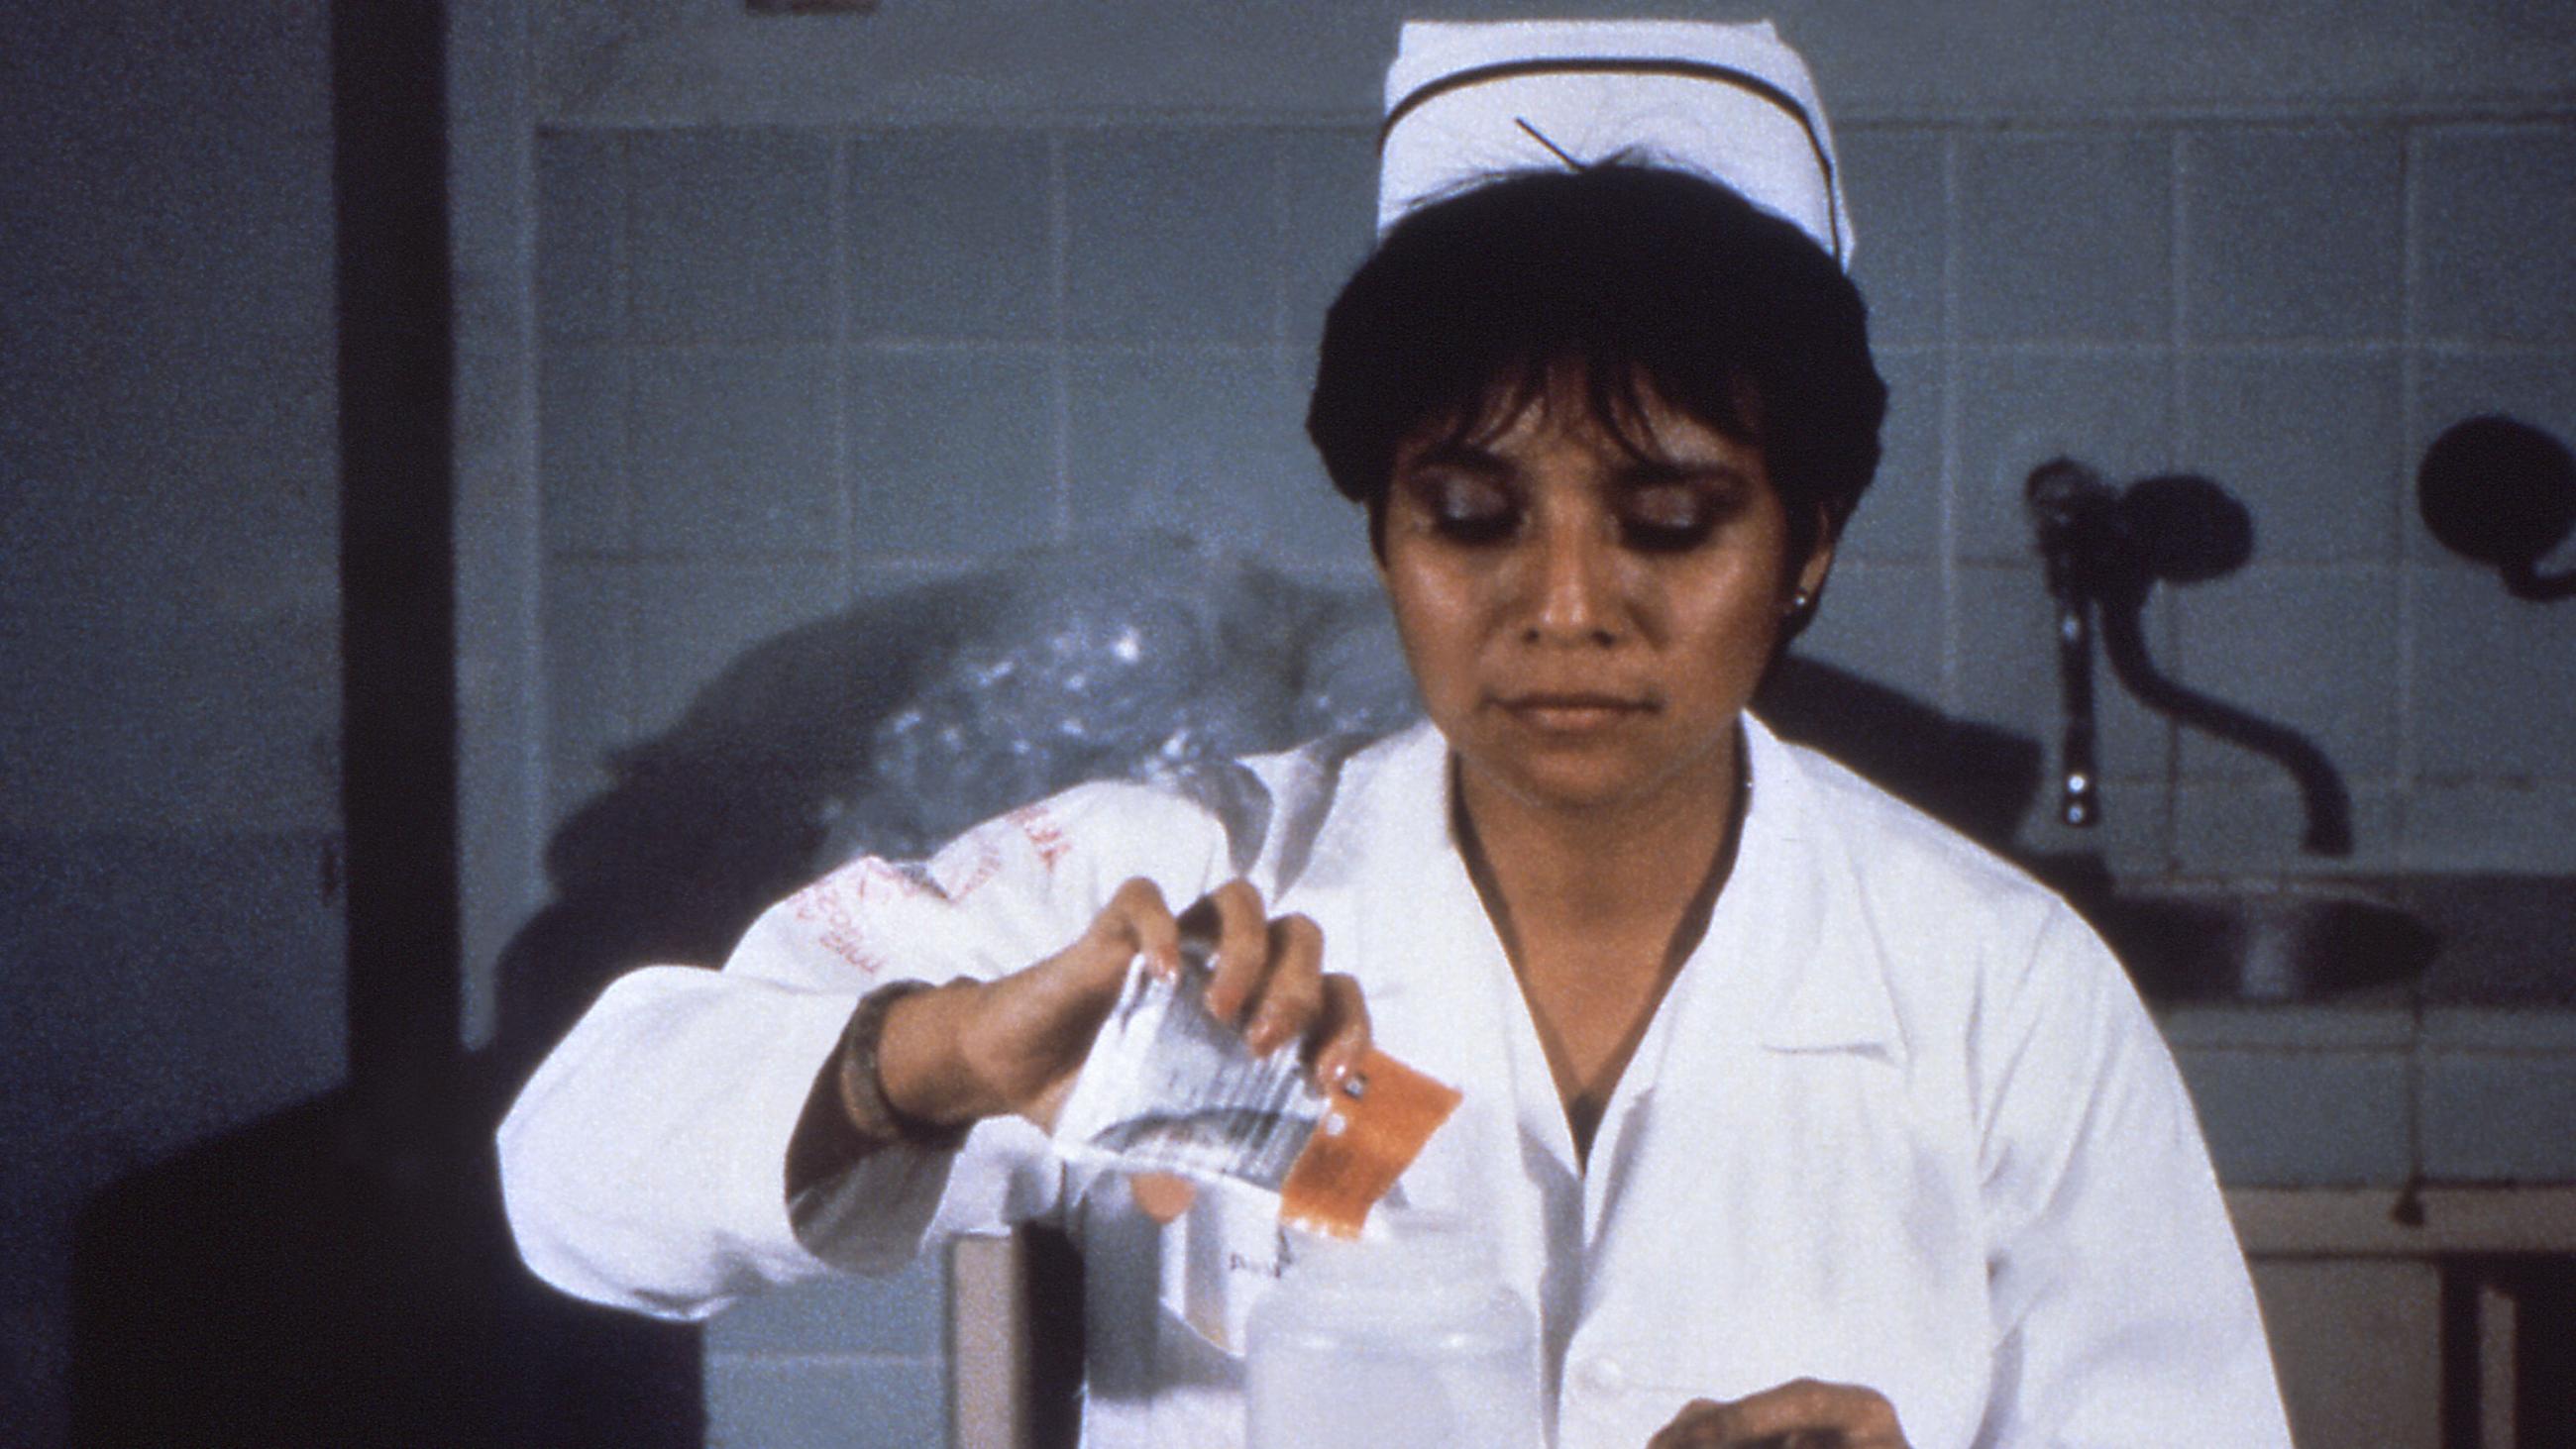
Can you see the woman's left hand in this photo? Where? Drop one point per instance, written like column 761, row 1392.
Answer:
column 1800, row 1414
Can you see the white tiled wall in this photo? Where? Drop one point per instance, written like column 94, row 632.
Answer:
column 1037, row 326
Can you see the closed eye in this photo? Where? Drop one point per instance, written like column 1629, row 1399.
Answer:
column 1465, row 505
column 1671, row 516
column 1477, row 526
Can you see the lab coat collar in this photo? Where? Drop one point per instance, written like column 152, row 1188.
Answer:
column 1824, row 985
column 1791, row 958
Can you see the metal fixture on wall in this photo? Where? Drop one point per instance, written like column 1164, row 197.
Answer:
column 2106, row 549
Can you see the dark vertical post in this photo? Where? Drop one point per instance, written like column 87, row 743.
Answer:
column 397, row 566
column 459, row 1344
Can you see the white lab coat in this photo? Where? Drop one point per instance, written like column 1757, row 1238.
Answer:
column 1901, row 1120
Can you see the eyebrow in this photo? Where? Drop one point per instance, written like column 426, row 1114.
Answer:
column 1658, row 472
column 1456, row 453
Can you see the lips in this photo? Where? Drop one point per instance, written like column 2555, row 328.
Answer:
column 1573, row 712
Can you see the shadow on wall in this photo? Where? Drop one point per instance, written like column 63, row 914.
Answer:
column 2498, row 491
column 299, row 1283
column 888, row 729
column 1974, row 778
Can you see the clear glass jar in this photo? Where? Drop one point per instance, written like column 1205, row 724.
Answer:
column 1411, row 1340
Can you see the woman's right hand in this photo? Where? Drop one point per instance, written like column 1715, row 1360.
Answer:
column 1801, row 1414
column 980, row 1049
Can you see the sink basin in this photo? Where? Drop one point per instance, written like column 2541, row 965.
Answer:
column 2264, row 941
column 2475, row 939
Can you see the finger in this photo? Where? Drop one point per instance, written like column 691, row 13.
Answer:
column 1341, row 1034
column 1836, row 1413
column 1137, row 922
column 1242, row 948
column 1292, row 985
column 1161, row 1196
column 1688, row 1427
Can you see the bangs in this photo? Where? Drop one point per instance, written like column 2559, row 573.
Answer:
column 1616, row 394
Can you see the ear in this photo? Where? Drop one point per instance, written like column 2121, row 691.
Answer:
column 1820, row 559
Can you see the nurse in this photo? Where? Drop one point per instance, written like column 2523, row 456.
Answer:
column 1794, row 1114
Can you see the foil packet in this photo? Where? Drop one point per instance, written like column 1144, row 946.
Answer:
column 1169, row 1088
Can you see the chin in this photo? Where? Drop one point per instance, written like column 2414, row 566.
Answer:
column 1582, row 776
column 1571, row 780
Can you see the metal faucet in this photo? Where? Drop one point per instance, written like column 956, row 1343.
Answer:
column 2071, row 507
column 2104, row 549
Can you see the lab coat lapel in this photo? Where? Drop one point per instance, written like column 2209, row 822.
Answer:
column 1824, row 967
column 1442, row 993
column 1790, row 963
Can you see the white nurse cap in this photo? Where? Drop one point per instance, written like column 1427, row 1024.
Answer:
column 1470, row 100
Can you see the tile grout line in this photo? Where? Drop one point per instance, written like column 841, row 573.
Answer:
column 622, row 274
column 2494, row 113
column 842, row 211
column 2178, row 432
column 536, row 785
column 1279, row 224
column 2410, row 374
column 1283, row 364
column 765, row 1356
column 2472, row 349
column 1953, row 410
column 1059, row 325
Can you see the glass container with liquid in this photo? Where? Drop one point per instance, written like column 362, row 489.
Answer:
column 1412, row 1339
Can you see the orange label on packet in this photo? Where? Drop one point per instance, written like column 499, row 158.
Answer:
column 1371, row 1131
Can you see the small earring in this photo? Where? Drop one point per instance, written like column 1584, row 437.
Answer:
column 1798, row 603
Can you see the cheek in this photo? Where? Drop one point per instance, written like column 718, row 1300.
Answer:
column 1731, row 629
column 1438, row 619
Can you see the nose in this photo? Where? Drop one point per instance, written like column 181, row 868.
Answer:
column 1575, row 587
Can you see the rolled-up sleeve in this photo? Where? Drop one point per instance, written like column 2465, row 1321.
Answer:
column 644, row 1165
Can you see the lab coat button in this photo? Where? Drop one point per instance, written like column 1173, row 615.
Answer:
column 1604, row 1375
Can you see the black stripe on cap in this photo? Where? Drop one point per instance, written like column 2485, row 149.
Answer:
column 1726, row 75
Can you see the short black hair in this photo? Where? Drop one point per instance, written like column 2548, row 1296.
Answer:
column 1640, row 281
